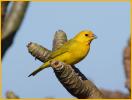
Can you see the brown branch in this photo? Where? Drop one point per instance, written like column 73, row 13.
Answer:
column 59, row 39
column 38, row 51
column 14, row 18
column 126, row 61
column 114, row 94
column 74, row 83
column 12, row 23
column 4, row 5
column 11, row 95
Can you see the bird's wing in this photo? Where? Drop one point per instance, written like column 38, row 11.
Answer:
column 63, row 49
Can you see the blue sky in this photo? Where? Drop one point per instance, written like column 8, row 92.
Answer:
column 104, row 66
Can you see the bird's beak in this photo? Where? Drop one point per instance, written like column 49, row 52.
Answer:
column 95, row 37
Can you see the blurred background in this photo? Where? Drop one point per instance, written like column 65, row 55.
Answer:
column 104, row 64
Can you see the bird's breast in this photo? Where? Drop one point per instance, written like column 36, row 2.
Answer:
column 80, row 52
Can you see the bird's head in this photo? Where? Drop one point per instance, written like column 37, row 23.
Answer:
column 85, row 36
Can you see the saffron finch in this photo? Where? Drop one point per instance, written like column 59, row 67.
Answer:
column 72, row 51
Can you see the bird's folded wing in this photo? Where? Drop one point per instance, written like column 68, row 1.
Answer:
column 63, row 49
column 56, row 53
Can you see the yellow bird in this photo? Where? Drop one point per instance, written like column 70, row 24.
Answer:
column 72, row 51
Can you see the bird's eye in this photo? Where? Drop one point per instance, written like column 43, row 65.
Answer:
column 86, row 34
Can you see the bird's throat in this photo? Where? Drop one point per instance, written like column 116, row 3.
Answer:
column 89, row 42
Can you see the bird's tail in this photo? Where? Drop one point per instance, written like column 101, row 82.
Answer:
column 39, row 69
